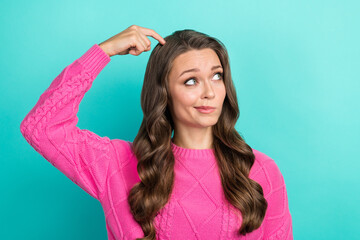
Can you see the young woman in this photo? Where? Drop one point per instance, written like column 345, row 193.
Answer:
column 188, row 174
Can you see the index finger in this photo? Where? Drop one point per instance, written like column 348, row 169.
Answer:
column 152, row 33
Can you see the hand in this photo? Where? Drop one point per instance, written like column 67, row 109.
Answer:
column 132, row 40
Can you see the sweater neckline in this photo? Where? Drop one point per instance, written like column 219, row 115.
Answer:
column 192, row 152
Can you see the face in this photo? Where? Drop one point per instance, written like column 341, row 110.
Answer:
column 195, row 80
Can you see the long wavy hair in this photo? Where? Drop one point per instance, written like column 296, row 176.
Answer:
column 152, row 145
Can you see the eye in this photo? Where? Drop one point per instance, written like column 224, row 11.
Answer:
column 188, row 81
column 220, row 74
column 193, row 79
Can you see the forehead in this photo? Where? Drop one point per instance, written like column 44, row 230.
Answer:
column 204, row 58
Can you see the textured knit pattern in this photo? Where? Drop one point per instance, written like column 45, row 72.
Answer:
column 106, row 169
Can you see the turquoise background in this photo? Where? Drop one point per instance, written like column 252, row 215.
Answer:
column 295, row 65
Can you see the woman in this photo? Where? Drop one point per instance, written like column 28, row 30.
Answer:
column 188, row 174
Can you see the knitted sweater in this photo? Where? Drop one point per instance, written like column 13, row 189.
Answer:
column 106, row 169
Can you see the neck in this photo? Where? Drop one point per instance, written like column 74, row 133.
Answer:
column 194, row 138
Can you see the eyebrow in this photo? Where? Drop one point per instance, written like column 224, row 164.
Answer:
column 196, row 69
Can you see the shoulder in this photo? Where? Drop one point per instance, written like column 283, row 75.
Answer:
column 266, row 172
column 122, row 150
column 278, row 221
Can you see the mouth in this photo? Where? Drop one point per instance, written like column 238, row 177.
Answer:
column 205, row 109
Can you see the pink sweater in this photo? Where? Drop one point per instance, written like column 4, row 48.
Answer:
column 106, row 169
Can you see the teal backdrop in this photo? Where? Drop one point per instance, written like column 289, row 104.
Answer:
column 295, row 65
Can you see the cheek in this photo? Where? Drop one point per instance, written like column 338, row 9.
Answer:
column 183, row 104
column 186, row 99
column 221, row 92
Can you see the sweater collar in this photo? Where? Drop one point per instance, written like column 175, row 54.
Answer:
column 192, row 152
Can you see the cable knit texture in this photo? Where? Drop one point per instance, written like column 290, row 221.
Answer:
column 106, row 169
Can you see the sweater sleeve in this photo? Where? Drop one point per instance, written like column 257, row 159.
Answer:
column 278, row 220
column 50, row 127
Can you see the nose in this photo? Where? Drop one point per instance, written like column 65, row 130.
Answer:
column 208, row 91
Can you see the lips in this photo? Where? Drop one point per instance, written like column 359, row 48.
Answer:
column 205, row 107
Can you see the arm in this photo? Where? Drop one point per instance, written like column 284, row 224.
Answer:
column 278, row 220
column 50, row 127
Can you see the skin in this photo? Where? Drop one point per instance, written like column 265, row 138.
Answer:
column 193, row 129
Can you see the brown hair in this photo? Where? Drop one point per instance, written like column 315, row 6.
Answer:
column 152, row 145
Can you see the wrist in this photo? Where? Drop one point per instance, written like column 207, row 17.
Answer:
column 104, row 48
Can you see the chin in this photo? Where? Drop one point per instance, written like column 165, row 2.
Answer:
column 208, row 123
